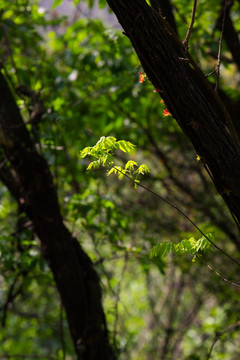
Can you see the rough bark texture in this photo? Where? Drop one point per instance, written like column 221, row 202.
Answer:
column 75, row 277
column 164, row 8
column 187, row 94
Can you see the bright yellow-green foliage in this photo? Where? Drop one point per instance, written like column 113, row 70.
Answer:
column 104, row 152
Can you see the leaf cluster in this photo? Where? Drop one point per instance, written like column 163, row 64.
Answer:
column 187, row 246
column 103, row 151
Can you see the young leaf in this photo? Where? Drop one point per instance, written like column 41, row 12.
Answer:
column 161, row 249
column 93, row 165
column 99, row 145
column 86, row 151
column 110, row 142
column 202, row 244
column 143, row 169
column 113, row 170
column 185, row 247
column 124, row 146
column 120, row 172
column 106, row 159
column 136, row 183
column 130, row 165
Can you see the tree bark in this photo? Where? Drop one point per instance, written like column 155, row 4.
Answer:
column 187, row 94
column 164, row 8
column 75, row 277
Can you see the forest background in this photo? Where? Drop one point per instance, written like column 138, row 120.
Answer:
column 67, row 81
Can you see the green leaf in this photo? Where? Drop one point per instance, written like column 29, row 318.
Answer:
column 185, row 247
column 143, row 169
column 110, row 142
column 161, row 249
column 124, row 146
column 100, row 144
column 136, row 183
column 130, row 165
column 113, row 170
column 94, row 165
column 56, row 3
column 106, row 159
column 86, row 151
column 102, row 4
column 202, row 244
column 120, row 172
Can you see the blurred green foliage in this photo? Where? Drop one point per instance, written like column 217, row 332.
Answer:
column 83, row 76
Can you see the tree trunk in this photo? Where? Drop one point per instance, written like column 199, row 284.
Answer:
column 76, row 279
column 187, row 94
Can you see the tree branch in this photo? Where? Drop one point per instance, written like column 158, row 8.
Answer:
column 230, row 35
column 186, row 40
column 218, row 335
column 220, row 46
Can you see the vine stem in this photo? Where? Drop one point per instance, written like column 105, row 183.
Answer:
column 181, row 212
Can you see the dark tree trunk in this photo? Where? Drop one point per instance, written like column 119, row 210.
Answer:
column 75, row 277
column 164, row 8
column 187, row 94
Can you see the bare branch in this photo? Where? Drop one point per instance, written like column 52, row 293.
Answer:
column 217, row 273
column 228, row 329
column 186, row 40
column 220, row 47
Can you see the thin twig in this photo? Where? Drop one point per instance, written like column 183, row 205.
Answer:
column 211, row 73
column 186, row 40
column 217, row 273
column 182, row 213
column 219, row 334
column 220, row 46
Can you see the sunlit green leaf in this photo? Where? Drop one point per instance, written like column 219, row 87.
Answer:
column 56, row 3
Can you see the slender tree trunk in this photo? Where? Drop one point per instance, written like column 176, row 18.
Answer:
column 187, row 94
column 76, row 279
